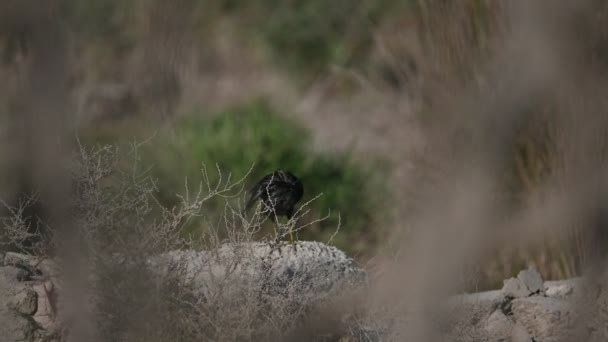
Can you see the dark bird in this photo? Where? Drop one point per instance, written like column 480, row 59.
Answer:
column 279, row 192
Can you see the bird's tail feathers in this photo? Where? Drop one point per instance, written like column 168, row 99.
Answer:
column 252, row 199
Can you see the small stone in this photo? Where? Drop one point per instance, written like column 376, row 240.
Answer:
column 45, row 312
column 532, row 280
column 513, row 287
column 559, row 291
column 499, row 326
column 574, row 287
column 12, row 258
column 527, row 282
column 544, row 318
column 26, row 302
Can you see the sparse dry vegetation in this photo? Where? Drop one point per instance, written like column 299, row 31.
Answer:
column 113, row 207
column 506, row 168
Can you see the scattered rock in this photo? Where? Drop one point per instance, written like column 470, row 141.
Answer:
column 45, row 313
column 15, row 304
column 532, row 280
column 498, row 326
column 562, row 288
column 559, row 291
column 514, row 288
column 528, row 282
column 525, row 310
column 545, row 319
column 20, row 301
column 26, row 302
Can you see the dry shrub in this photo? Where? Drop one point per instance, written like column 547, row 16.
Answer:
column 122, row 228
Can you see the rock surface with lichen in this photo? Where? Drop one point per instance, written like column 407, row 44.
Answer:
column 306, row 267
column 526, row 309
column 29, row 295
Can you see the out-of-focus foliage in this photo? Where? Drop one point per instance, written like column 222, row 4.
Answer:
column 99, row 19
column 309, row 36
column 254, row 134
column 429, row 49
column 305, row 37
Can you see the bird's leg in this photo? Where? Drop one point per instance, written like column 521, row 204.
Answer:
column 290, row 227
column 277, row 231
column 276, row 228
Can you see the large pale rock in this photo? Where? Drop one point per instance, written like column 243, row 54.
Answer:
column 527, row 310
column 310, row 268
column 498, row 326
column 563, row 288
column 475, row 316
column 513, row 287
column 30, row 291
column 545, row 319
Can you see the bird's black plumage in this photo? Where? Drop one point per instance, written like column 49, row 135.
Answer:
column 279, row 191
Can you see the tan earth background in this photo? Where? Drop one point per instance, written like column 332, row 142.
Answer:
column 463, row 137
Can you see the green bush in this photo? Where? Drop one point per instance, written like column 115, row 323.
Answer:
column 240, row 137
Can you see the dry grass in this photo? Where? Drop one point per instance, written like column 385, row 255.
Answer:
column 488, row 188
column 503, row 84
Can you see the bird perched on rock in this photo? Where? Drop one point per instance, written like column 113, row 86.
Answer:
column 279, row 192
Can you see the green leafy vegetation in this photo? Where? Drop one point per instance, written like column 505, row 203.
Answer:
column 254, row 134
